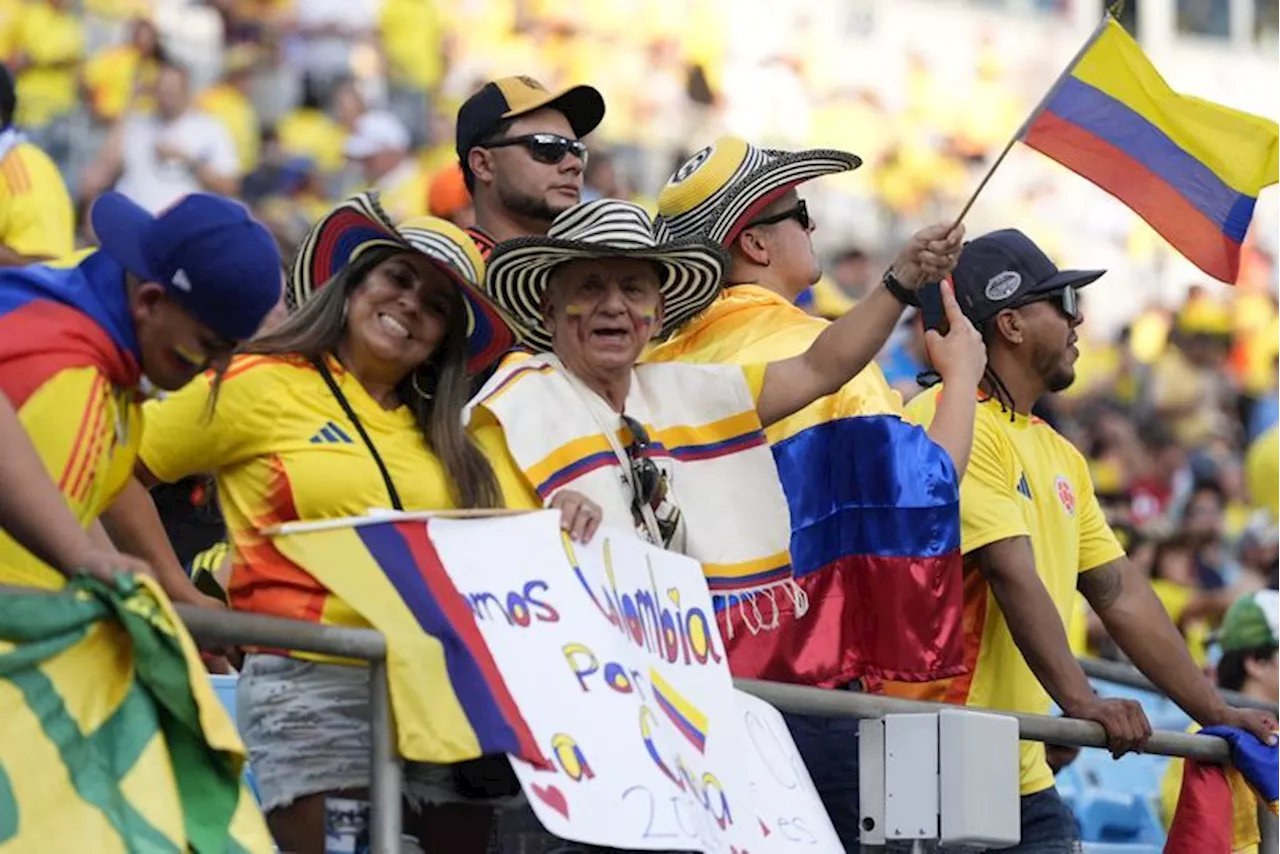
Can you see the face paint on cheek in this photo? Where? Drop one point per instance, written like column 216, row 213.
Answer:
column 573, row 309
column 190, row 359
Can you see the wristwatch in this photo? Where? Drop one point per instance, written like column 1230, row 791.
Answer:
column 900, row 293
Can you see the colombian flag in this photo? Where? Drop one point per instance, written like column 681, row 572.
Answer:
column 113, row 739
column 875, row 515
column 69, row 315
column 449, row 699
column 1203, row 822
column 1192, row 169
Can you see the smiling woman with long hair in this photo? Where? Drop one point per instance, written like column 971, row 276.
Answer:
column 353, row 404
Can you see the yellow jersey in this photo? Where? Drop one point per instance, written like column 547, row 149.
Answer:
column 36, row 215
column 1024, row 480
column 283, row 450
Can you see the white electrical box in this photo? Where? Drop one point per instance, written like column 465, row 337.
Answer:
column 910, row 776
column 950, row 776
column 978, row 771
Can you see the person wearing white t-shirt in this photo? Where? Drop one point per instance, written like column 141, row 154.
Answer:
column 157, row 158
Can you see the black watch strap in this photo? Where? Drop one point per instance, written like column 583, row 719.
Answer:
column 900, row 293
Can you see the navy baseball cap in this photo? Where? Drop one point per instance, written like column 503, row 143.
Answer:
column 1005, row 269
column 214, row 259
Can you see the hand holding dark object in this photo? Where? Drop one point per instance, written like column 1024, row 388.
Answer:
column 959, row 355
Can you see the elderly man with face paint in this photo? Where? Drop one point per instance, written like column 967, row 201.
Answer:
column 675, row 452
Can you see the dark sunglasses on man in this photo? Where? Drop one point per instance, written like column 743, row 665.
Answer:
column 1067, row 298
column 800, row 213
column 549, row 148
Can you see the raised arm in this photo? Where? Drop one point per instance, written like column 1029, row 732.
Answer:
column 849, row 344
column 960, row 357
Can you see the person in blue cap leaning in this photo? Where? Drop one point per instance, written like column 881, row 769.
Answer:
column 165, row 298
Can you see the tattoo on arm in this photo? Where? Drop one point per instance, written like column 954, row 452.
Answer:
column 1102, row 586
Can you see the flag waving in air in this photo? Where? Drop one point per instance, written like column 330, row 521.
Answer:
column 1192, row 169
column 113, row 738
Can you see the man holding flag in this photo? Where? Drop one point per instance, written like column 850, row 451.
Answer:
column 872, row 498
column 1033, row 534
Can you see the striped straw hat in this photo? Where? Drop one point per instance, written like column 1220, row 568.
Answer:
column 520, row 269
column 718, row 190
column 359, row 224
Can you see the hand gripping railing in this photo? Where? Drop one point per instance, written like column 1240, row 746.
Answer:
column 227, row 627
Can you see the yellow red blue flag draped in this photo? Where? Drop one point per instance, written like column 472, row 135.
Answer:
column 113, row 738
column 450, row 702
column 1191, row 168
column 874, row 506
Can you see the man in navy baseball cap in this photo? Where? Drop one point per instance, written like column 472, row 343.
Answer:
column 1006, row 270
column 165, row 297
column 208, row 254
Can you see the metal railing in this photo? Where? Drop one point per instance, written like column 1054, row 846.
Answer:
column 1127, row 674
column 231, row 628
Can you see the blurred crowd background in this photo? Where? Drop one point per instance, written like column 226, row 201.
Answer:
column 291, row 104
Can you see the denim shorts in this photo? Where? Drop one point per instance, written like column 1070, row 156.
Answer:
column 306, row 726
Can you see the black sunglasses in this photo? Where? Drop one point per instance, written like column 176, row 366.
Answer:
column 645, row 476
column 549, row 148
column 800, row 213
column 1067, row 298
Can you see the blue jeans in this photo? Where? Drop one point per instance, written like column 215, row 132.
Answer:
column 1048, row 827
column 829, row 748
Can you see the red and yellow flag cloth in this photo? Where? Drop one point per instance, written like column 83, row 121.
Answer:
column 449, row 700
column 1203, row 821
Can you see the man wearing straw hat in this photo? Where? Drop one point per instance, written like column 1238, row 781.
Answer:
column 876, row 467
column 673, row 451
column 522, row 156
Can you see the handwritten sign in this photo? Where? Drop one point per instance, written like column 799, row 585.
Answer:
column 787, row 804
column 612, row 654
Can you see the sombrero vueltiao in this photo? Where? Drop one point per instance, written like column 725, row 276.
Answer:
column 359, row 224
column 722, row 187
column 520, row 269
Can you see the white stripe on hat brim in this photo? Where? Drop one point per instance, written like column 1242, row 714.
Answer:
column 520, row 271
column 786, row 170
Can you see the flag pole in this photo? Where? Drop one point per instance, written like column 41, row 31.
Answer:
column 1035, row 113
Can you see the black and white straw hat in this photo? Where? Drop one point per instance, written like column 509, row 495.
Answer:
column 520, row 269
column 722, row 187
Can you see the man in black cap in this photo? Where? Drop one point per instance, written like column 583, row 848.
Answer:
column 522, row 155
column 1033, row 534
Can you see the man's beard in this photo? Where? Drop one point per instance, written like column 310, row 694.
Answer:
column 1057, row 377
column 529, row 207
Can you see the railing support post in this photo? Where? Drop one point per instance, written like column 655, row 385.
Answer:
column 384, row 767
column 1267, row 827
